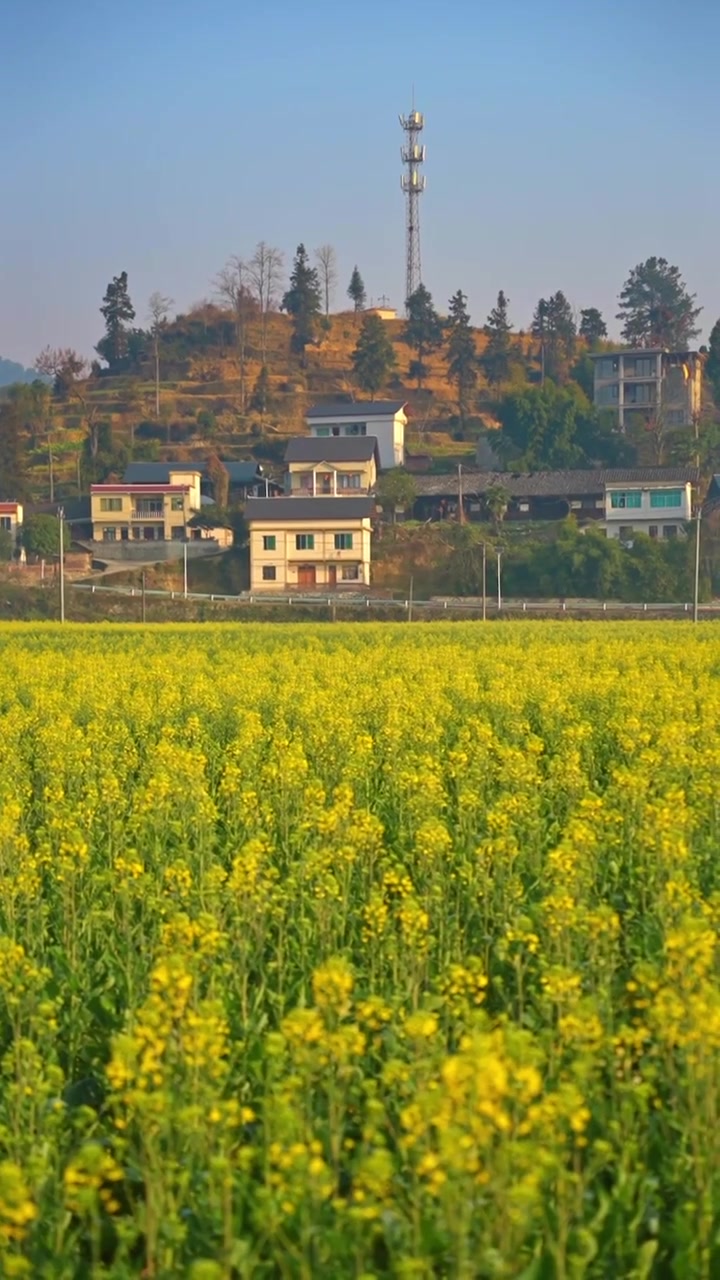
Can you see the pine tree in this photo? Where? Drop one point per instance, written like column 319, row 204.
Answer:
column 260, row 399
column 119, row 313
column 496, row 356
column 656, row 308
column 374, row 355
column 302, row 302
column 592, row 326
column 461, row 357
column 423, row 330
column 554, row 325
column 356, row 290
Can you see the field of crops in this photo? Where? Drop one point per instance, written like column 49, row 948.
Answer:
column 360, row 952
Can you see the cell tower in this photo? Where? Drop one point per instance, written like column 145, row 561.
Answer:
column 413, row 184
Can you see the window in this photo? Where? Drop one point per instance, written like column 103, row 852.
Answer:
column 304, row 541
column 269, row 542
column 666, row 498
column 629, row 498
column 356, row 429
column 322, row 431
column 640, row 393
column 6, row 523
column 653, row 531
column 350, row 480
column 305, row 481
column 641, row 367
column 111, row 504
column 176, row 502
column 675, row 417
column 606, row 368
column 350, row 572
column 109, row 535
column 269, row 573
column 343, row 541
column 607, row 395
column 335, row 431
column 324, row 482
column 670, row 531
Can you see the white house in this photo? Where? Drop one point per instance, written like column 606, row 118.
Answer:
column 11, row 518
column 384, row 419
column 656, row 507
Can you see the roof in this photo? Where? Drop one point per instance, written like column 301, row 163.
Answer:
column 242, row 472
column 639, row 351
column 332, row 449
column 9, row 508
column 292, row 509
column 356, row 409
column 551, row 484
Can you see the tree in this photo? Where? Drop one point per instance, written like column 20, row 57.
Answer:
column 554, row 325
column 13, row 471
column 232, row 284
column 302, row 303
column 159, row 308
column 64, row 365
column 327, row 269
column 496, row 356
column 260, row 400
column 656, row 308
column 497, row 501
column 543, row 427
column 461, row 357
column 41, row 536
column 264, row 271
column 712, row 363
column 374, row 355
column 118, row 312
column 396, row 490
column 538, row 329
column 423, row 329
column 592, row 326
column 356, row 290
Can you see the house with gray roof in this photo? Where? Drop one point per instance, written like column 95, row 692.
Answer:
column 300, row 544
column 384, row 419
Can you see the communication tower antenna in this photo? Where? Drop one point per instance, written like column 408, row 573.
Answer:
column 413, row 184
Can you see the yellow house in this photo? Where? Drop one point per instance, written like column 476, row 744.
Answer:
column 301, row 543
column 334, row 467
column 145, row 512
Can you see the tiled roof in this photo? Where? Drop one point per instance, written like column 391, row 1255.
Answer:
column 551, row 484
column 308, row 508
column 159, row 472
column 331, row 449
column 356, row 409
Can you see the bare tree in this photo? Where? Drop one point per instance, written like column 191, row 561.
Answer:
column 64, row 365
column 232, row 284
column 158, row 309
column 264, row 270
column 327, row 268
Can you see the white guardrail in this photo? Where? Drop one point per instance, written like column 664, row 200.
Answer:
column 440, row 604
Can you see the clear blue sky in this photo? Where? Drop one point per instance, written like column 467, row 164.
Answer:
column 566, row 140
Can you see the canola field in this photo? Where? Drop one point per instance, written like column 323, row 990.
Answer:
column 360, row 951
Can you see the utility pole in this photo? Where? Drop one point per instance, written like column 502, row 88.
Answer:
column 185, row 574
column 484, row 583
column 61, row 524
column 461, row 507
column 142, row 583
column 499, row 555
column 410, row 600
column 696, row 592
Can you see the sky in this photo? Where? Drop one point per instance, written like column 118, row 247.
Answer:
column 566, row 142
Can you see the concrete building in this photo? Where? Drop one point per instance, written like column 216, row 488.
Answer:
column 658, row 508
column 11, row 518
column 384, row 419
column 649, row 386
column 145, row 512
column 332, row 467
column 300, row 543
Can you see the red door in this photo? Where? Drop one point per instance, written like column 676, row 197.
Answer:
column 332, row 575
column 306, row 575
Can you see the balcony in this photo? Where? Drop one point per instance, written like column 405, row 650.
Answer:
column 154, row 512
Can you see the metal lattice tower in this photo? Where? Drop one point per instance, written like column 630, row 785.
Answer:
column 413, row 184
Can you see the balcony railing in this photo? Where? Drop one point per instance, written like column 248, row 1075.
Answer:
column 147, row 513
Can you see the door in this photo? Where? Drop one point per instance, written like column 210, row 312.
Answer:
column 332, row 575
column 306, row 575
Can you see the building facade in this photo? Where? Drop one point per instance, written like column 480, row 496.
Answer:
column 643, row 386
column 334, row 467
column 300, row 543
column 145, row 512
column 11, row 518
column 659, row 509
column 384, row 419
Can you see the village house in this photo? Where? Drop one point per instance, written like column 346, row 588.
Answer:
column 11, row 518
column 652, row 500
column 300, row 543
column 331, row 467
column 384, row 419
column 649, row 385
column 245, row 479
